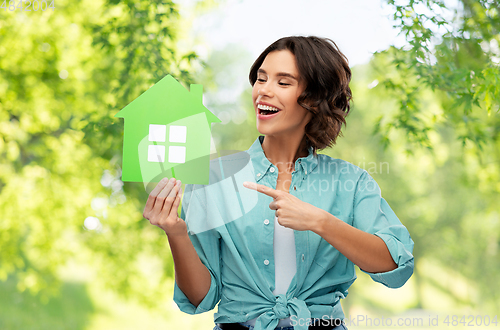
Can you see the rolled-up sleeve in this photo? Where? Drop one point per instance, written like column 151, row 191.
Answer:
column 207, row 245
column 372, row 214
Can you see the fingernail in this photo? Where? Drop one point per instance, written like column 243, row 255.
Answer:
column 245, row 184
column 172, row 179
column 164, row 180
column 178, row 183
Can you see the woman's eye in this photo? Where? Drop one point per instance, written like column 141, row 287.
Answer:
column 283, row 84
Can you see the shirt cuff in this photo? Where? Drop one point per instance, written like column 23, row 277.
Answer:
column 208, row 303
column 395, row 278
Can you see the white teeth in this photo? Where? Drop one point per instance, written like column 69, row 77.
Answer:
column 267, row 107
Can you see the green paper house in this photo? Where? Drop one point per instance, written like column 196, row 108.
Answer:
column 167, row 134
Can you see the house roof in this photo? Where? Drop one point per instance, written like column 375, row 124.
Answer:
column 169, row 101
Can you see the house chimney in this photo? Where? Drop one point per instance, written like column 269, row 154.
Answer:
column 197, row 92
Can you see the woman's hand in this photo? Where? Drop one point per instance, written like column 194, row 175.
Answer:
column 291, row 211
column 162, row 205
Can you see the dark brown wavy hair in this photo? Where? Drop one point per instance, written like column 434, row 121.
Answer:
column 326, row 74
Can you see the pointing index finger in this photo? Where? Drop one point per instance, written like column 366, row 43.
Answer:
column 261, row 188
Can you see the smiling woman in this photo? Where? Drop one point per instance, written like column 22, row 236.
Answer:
column 275, row 95
column 318, row 73
column 292, row 272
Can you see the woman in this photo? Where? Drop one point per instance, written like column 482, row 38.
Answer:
column 328, row 214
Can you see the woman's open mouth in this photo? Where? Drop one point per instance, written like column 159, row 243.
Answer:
column 267, row 111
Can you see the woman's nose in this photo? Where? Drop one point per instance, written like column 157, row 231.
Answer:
column 265, row 91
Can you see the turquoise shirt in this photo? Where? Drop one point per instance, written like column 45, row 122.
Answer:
column 231, row 228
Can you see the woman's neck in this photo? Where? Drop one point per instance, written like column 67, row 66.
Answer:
column 283, row 152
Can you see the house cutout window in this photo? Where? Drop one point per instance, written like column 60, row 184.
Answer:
column 156, row 153
column 158, row 133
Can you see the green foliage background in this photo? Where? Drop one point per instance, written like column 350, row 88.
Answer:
column 424, row 122
column 63, row 76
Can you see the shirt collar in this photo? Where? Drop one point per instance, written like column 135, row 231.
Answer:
column 262, row 165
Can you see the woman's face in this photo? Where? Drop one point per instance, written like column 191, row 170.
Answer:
column 275, row 95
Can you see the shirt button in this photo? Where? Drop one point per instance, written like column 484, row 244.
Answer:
column 306, row 171
column 258, row 174
column 271, row 170
column 266, row 222
column 294, row 188
column 303, row 257
column 266, row 262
